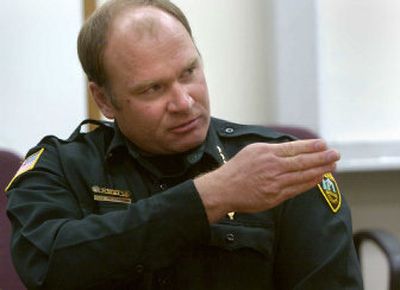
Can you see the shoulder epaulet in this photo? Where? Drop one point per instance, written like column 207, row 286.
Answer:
column 231, row 129
column 78, row 131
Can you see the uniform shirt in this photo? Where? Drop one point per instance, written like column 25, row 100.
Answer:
column 94, row 212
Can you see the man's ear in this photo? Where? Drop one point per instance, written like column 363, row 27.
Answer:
column 103, row 102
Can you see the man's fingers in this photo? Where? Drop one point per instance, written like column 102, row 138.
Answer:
column 294, row 148
column 296, row 189
column 310, row 175
column 305, row 161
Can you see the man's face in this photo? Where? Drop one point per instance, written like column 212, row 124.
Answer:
column 157, row 81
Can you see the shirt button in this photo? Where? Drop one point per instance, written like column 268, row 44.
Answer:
column 230, row 238
column 139, row 269
column 229, row 130
column 162, row 282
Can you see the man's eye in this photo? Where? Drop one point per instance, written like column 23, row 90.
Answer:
column 152, row 89
column 188, row 73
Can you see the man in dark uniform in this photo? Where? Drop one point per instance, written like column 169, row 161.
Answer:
column 167, row 197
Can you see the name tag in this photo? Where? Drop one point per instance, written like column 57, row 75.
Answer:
column 111, row 195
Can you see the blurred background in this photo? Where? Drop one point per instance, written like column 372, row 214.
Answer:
column 332, row 66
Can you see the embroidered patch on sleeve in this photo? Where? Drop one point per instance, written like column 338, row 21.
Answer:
column 330, row 191
column 28, row 164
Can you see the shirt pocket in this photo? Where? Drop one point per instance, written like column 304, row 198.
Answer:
column 250, row 234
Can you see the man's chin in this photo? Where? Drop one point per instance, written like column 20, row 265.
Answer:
column 182, row 147
column 187, row 147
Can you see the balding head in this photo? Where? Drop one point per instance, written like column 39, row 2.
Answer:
column 94, row 35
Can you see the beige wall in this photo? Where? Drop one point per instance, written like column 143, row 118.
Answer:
column 374, row 198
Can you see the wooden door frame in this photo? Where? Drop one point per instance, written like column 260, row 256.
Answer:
column 92, row 111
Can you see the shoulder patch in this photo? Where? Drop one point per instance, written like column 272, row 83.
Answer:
column 330, row 191
column 28, row 164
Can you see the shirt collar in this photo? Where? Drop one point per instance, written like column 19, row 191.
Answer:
column 117, row 141
column 211, row 146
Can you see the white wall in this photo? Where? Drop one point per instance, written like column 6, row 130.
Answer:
column 359, row 58
column 296, row 63
column 42, row 86
column 359, row 92
column 338, row 64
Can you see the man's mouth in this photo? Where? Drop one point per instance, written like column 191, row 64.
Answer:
column 186, row 126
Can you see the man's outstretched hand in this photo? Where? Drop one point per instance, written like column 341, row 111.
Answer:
column 262, row 176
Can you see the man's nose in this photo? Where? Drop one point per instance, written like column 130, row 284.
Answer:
column 180, row 99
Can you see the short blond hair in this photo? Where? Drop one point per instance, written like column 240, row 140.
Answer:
column 92, row 39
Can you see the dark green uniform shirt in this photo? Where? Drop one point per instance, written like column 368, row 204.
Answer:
column 93, row 212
